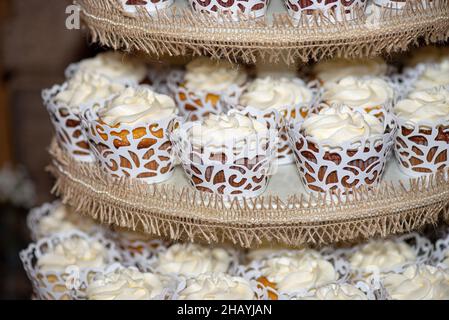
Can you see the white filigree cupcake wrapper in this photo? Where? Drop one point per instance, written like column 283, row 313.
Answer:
column 141, row 151
column 67, row 285
column 440, row 256
column 235, row 10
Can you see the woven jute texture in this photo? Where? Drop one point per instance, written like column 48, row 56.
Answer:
column 184, row 214
column 179, row 32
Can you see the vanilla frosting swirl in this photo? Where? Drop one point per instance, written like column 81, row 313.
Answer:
column 125, row 284
column 336, row 69
column 86, row 87
column 382, row 255
column 138, row 105
column 354, row 92
column 192, row 260
column 433, row 76
column 115, row 66
column 73, row 252
column 264, row 93
column 341, row 124
column 297, row 271
column 205, row 74
column 217, row 286
column 418, row 283
column 337, row 292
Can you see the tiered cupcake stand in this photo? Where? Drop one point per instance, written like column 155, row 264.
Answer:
column 285, row 214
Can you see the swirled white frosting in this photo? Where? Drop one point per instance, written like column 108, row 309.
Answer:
column 215, row 130
column 86, row 87
column 382, row 255
column 205, row 74
column 428, row 54
column 357, row 92
column 429, row 105
column 192, row 260
column 73, row 252
column 264, row 93
column 334, row 70
column 137, row 105
column 433, row 76
column 418, row 283
column 217, row 286
column 340, row 124
column 115, row 66
column 125, row 284
column 337, row 292
column 298, row 271
column 62, row 218
column 446, row 260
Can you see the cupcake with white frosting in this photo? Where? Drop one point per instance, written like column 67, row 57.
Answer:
column 64, row 102
column 423, row 136
column 431, row 75
column 198, row 90
column 334, row 70
column 369, row 94
column 60, row 266
column 417, row 283
column 339, row 148
column 113, row 65
column 335, row 291
column 217, row 286
column 226, row 154
column 128, row 134
column 191, row 260
column 120, row 283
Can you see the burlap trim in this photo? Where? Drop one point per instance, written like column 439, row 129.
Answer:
column 179, row 32
column 185, row 214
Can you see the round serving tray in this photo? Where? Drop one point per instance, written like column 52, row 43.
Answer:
column 284, row 214
column 178, row 31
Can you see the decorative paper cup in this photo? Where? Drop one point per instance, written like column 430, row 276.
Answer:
column 317, row 10
column 228, row 171
column 67, row 124
column 199, row 104
column 354, row 164
column 422, row 148
column 153, row 7
column 67, row 285
column 236, row 9
column 440, row 256
column 141, row 151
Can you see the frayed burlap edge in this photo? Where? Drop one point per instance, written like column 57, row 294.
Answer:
column 184, row 214
column 180, row 32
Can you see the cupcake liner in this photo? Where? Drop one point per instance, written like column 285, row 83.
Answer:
column 153, row 7
column 354, row 164
column 36, row 214
column 236, row 9
column 67, row 124
column 422, row 148
column 227, row 171
column 140, row 151
column 61, row 285
column 196, row 105
column 253, row 272
column 440, row 255
column 317, row 9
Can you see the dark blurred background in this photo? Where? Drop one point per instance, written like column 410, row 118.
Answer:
column 35, row 48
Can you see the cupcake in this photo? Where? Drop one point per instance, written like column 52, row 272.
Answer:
column 128, row 134
column 334, row 291
column 275, row 101
column 153, row 7
column 440, row 255
column 334, row 70
column 60, row 266
column 313, row 11
column 236, row 10
column 369, row 94
column 191, row 260
column 431, row 75
column 217, row 286
column 112, row 65
column 228, row 155
column 49, row 219
column 422, row 141
column 64, row 103
column 120, row 283
column 198, row 90
column 339, row 149
column 417, row 283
